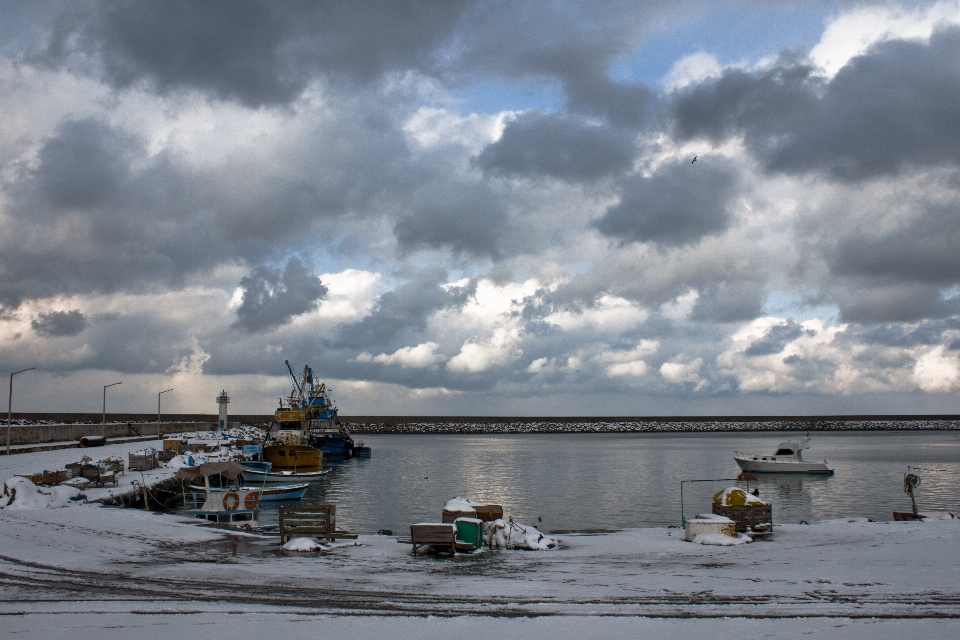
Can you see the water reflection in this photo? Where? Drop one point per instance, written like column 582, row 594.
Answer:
column 614, row 481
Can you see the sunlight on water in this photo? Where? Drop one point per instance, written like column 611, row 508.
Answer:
column 589, row 482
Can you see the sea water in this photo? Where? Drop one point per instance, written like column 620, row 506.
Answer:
column 605, row 482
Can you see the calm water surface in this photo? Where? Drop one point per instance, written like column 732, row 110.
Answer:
column 591, row 482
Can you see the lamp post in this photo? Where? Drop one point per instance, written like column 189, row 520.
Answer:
column 158, row 411
column 105, row 405
column 10, row 405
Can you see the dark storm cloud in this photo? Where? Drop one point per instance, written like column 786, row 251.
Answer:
column 260, row 52
column 84, row 165
column 536, row 144
column 921, row 250
column 59, row 323
column 678, row 205
column 890, row 108
column 464, row 218
column 876, row 302
column 99, row 212
column 904, row 336
column 273, row 297
column 729, row 302
column 402, row 312
column 775, row 339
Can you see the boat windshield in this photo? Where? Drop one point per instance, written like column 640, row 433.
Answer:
column 784, row 452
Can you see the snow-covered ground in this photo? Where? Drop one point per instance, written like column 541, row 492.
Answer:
column 90, row 571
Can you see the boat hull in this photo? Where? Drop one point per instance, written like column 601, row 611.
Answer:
column 293, row 457
column 256, row 478
column 747, row 464
column 269, row 493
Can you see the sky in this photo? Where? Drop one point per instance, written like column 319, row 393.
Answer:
column 482, row 207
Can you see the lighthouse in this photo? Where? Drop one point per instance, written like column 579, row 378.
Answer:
column 223, row 400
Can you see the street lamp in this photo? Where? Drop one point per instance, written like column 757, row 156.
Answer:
column 105, row 405
column 10, row 405
column 158, row 411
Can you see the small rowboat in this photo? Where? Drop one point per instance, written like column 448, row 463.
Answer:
column 252, row 477
column 271, row 493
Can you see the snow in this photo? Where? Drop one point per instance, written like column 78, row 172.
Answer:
column 302, row 544
column 87, row 570
column 511, row 535
column 736, row 496
column 20, row 493
column 461, row 504
column 721, row 540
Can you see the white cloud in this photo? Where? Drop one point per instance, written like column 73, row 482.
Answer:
column 611, row 313
column 351, row 294
column 691, row 69
column 936, row 372
column 475, row 357
column 629, row 363
column 681, row 307
column 679, row 372
column 852, row 33
column 421, row 356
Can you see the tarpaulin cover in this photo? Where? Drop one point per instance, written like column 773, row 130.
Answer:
column 229, row 469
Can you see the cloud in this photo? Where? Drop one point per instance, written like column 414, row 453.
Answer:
column 537, row 145
column 418, row 357
column 886, row 110
column 937, row 372
column 679, row 372
column 273, row 297
column 59, row 323
column 259, row 53
column 691, row 70
column 678, row 205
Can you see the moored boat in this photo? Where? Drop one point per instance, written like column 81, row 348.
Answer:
column 786, row 459
column 268, row 493
column 234, row 507
column 310, row 420
column 252, row 477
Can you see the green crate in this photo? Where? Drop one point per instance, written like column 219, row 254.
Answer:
column 470, row 531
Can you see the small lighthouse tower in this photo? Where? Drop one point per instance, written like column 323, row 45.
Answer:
column 223, row 400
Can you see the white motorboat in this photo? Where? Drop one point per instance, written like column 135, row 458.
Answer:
column 786, row 459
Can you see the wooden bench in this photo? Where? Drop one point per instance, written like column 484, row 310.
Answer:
column 97, row 476
column 442, row 536
column 317, row 520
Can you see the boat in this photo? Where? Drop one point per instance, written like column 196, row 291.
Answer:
column 252, row 477
column 271, row 493
column 786, row 459
column 309, row 421
column 227, row 506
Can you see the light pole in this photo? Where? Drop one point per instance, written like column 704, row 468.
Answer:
column 10, row 405
column 105, row 405
column 158, row 411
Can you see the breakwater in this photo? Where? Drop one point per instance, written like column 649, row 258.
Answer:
column 648, row 426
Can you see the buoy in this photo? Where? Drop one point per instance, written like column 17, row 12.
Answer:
column 231, row 501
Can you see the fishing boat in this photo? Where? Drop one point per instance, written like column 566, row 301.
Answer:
column 234, row 507
column 252, row 477
column 786, row 459
column 271, row 493
column 309, row 421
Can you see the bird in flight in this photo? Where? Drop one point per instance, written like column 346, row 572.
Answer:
column 694, row 160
